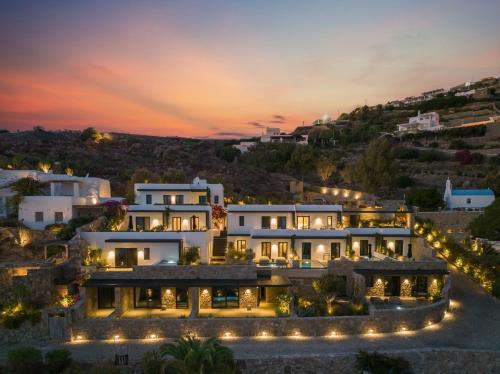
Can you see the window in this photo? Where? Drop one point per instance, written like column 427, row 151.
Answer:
column 176, row 224
column 202, row 199
column 216, row 199
column 179, row 199
column 147, row 297
column 329, row 222
column 58, row 216
column 241, row 220
column 181, row 298
column 142, row 224
column 354, row 220
column 334, row 250
column 303, row 222
column 266, row 249
column 421, row 286
column 194, row 223
column 399, row 248
column 149, row 199
column 468, row 201
column 369, row 280
column 167, row 199
column 225, row 297
column 283, row 249
column 125, row 257
column 38, row 216
column 363, row 248
column 282, row 222
column 147, row 254
column 105, row 298
column 306, row 251
column 266, row 222
column 241, row 245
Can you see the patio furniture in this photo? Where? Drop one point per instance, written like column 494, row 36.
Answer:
column 281, row 261
column 376, row 300
column 264, row 261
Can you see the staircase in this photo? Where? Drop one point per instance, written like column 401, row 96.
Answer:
column 219, row 249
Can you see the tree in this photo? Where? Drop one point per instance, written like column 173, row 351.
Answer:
column 325, row 169
column 374, row 169
column 329, row 286
column 218, row 216
column 92, row 134
column 191, row 356
column 487, row 225
column 24, row 187
column 228, row 153
column 377, row 363
column 301, row 159
column 425, row 199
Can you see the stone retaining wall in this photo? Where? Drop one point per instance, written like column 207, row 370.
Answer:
column 379, row 321
column 421, row 361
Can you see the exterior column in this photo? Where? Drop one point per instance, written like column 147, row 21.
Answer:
column 52, row 189
column 76, row 190
column 194, row 300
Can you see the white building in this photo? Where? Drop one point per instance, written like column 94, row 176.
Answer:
column 455, row 198
column 270, row 132
column 422, row 122
column 310, row 233
column 197, row 192
column 66, row 197
column 165, row 221
column 244, row 147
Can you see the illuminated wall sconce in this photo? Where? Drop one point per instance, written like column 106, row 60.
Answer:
column 140, row 254
column 321, row 248
column 335, row 192
column 155, row 222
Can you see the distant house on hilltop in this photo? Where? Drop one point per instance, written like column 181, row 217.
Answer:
column 422, row 122
column 455, row 198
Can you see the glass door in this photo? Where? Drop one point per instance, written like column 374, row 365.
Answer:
column 306, row 251
column 125, row 257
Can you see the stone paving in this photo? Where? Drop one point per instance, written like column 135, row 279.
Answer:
column 474, row 323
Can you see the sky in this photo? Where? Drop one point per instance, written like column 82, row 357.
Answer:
column 223, row 69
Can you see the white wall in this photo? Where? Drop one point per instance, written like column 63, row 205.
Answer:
column 48, row 205
column 202, row 239
column 320, row 248
column 190, row 197
column 457, row 201
column 253, row 221
column 156, row 218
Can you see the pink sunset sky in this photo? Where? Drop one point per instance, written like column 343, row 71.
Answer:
column 229, row 68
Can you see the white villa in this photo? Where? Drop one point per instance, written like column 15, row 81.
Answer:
column 459, row 198
column 66, row 198
column 422, row 122
column 273, row 135
column 312, row 234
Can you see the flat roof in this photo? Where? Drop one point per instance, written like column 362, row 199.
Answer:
column 126, row 240
column 173, row 208
column 258, row 208
column 472, row 192
column 401, row 271
column 273, row 281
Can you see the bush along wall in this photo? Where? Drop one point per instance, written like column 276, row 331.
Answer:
column 478, row 262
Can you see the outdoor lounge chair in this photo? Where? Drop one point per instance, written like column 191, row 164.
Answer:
column 264, row 261
column 395, row 300
column 281, row 261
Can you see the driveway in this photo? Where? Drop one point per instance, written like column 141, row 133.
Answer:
column 474, row 323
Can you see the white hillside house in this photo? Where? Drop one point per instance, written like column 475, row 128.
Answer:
column 455, row 198
column 66, row 197
column 422, row 122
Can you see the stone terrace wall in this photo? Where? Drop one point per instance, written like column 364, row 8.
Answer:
column 183, row 272
column 453, row 220
column 380, row 321
column 421, row 361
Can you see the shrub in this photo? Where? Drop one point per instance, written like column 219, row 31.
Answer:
column 24, row 360
column 404, row 181
column 151, row 362
column 377, row 363
column 432, row 155
column 428, row 199
column 228, row 153
column 458, row 144
column 191, row 256
column 406, row 153
column 57, row 360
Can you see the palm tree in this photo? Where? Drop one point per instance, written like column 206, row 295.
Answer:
column 189, row 355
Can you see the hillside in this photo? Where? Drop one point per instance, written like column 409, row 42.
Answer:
column 164, row 159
